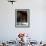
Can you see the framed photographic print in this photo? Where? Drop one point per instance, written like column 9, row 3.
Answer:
column 22, row 17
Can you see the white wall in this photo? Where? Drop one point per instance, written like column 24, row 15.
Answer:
column 37, row 29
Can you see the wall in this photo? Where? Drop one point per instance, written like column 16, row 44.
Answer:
column 37, row 29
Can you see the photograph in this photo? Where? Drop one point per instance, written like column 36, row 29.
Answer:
column 22, row 17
